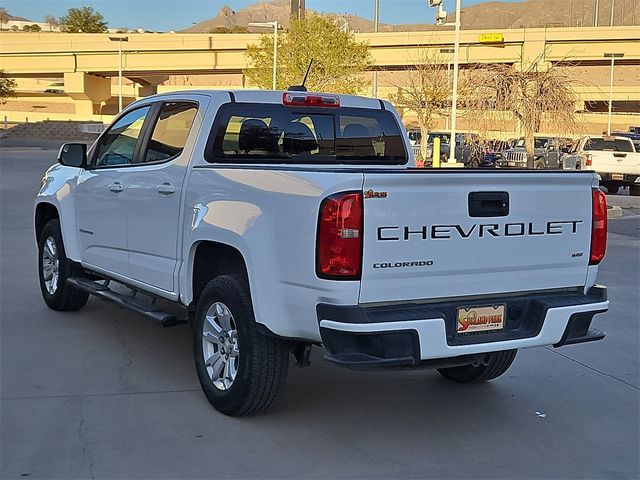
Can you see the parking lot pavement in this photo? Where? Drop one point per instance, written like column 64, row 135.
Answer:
column 102, row 393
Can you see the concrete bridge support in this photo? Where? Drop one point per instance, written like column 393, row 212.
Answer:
column 88, row 91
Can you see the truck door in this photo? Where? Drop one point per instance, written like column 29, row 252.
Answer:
column 154, row 190
column 100, row 209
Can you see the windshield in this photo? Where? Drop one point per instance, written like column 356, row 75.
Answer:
column 537, row 143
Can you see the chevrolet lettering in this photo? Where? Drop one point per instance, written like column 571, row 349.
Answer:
column 518, row 229
column 270, row 222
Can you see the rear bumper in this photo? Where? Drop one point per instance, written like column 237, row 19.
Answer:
column 414, row 334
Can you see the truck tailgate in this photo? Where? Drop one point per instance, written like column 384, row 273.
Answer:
column 615, row 162
column 425, row 235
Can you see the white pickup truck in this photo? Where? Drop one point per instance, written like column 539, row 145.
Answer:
column 614, row 159
column 282, row 220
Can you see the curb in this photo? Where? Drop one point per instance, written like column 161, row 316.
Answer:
column 623, row 201
column 614, row 211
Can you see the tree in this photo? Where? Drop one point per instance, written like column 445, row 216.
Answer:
column 7, row 87
column 233, row 29
column 51, row 21
column 533, row 94
column 83, row 20
column 32, row 28
column 4, row 17
column 425, row 88
column 338, row 58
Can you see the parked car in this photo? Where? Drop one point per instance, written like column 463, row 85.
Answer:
column 614, row 158
column 547, row 153
column 55, row 87
column 493, row 150
column 634, row 129
column 275, row 221
column 468, row 148
column 414, row 135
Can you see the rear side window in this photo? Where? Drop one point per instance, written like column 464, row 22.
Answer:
column 269, row 133
column 613, row 145
column 170, row 131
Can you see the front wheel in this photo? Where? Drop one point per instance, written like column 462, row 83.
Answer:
column 240, row 370
column 54, row 269
column 496, row 363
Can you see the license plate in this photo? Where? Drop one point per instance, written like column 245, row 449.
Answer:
column 617, row 176
column 480, row 319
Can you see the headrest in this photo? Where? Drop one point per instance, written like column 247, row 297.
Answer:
column 355, row 130
column 256, row 135
column 298, row 138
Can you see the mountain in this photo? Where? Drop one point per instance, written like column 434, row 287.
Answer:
column 13, row 18
column 481, row 16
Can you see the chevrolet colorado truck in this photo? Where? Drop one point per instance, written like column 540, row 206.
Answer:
column 274, row 221
column 614, row 158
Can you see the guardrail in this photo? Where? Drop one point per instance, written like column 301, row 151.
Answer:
column 97, row 128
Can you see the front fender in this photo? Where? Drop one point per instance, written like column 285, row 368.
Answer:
column 58, row 189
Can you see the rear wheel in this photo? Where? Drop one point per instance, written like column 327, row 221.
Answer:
column 611, row 187
column 54, row 269
column 495, row 364
column 539, row 165
column 240, row 370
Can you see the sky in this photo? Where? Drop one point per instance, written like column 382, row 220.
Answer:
column 167, row 15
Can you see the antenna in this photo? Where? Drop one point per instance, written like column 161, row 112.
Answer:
column 302, row 88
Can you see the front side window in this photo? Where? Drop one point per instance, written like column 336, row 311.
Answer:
column 170, row 131
column 266, row 133
column 118, row 145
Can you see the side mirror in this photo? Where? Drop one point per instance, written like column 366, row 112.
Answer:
column 73, row 155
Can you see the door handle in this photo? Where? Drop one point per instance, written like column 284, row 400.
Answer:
column 116, row 187
column 165, row 189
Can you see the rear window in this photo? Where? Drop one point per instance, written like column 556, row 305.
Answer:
column 268, row 133
column 613, row 145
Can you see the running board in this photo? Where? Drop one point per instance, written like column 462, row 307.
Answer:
column 125, row 301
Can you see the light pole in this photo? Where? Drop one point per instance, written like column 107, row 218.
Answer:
column 613, row 9
column 119, row 40
column 449, row 52
column 275, row 26
column 441, row 20
column 375, row 30
column 596, row 9
column 613, row 57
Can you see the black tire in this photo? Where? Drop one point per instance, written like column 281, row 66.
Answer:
column 634, row 190
column 498, row 363
column 64, row 297
column 539, row 165
column 612, row 189
column 474, row 163
column 262, row 362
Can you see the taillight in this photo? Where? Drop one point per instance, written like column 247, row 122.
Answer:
column 588, row 160
column 598, row 227
column 339, row 249
column 303, row 99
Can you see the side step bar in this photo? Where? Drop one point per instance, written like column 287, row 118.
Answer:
column 127, row 302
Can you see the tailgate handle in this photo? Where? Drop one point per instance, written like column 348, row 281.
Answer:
column 488, row 204
column 618, row 155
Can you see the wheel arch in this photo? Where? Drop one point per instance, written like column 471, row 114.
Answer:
column 209, row 259
column 45, row 211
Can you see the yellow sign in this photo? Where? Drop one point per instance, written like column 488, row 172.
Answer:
column 491, row 38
